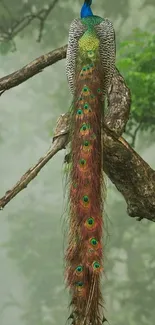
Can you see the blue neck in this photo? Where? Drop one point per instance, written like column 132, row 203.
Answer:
column 86, row 11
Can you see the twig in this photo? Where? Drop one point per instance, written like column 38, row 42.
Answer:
column 134, row 134
column 18, row 25
column 58, row 144
column 6, row 8
column 43, row 19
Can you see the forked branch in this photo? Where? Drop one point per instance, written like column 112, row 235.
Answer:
column 132, row 176
column 17, row 25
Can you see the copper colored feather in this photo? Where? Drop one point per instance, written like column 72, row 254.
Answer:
column 84, row 256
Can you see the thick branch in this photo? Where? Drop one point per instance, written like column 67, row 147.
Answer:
column 119, row 102
column 126, row 169
column 16, row 78
column 119, row 98
column 132, row 176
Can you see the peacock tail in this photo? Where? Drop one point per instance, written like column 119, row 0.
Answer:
column 88, row 80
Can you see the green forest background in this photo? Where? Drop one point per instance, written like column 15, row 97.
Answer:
column 32, row 290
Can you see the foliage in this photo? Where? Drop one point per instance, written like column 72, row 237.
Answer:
column 137, row 63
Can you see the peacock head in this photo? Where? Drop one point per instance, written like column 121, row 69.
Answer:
column 86, row 10
column 88, row 2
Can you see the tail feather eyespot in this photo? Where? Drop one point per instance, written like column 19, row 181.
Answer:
column 94, row 243
column 85, row 91
column 79, row 269
column 96, row 267
column 83, row 166
column 85, row 202
column 87, row 146
column 85, row 129
column 90, row 224
column 80, row 288
column 79, row 111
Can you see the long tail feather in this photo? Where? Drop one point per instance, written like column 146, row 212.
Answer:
column 84, row 256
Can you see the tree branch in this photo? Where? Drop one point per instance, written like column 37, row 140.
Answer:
column 33, row 171
column 119, row 98
column 127, row 170
column 18, row 25
column 132, row 176
column 119, row 102
column 44, row 17
column 31, row 69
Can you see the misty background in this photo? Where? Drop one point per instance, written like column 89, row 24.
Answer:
column 32, row 290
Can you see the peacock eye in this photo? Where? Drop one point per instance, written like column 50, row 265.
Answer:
column 79, row 284
column 82, row 162
column 79, row 112
column 86, row 106
column 94, row 241
column 91, row 53
column 84, row 127
column 90, row 221
column 96, row 265
column 86, row 198
column 86, row 143
column 99, row 91
column 79, row 268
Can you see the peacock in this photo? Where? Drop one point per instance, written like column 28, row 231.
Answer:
column 90, row 65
